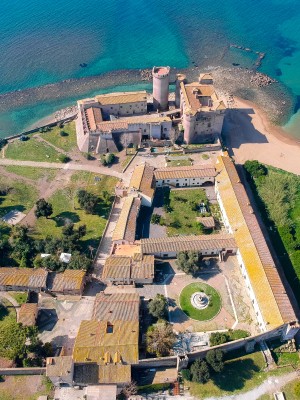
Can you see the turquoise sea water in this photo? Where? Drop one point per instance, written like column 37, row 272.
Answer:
column 45, row 41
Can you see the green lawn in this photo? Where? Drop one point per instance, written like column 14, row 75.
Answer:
column 182, row 216
column 32, row 172
column 31, row 150
column 278, row 198
column 21, row 196
column 288, row 390
column 66, row 143
column 201, row 315
column 283, row 358
column 66, row 208
column 240, row 374
column 126, row 160
column 20, row 297
column 179, row 163
column 7, row 310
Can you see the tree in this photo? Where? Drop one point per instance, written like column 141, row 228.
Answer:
column 255, row 169
column 43, row 209
column 158, row 307
column 215, row 359
column 130, row 389
column 109, row 158
column 87, row 201
column 200, row 371
column 186, row 374
column 12, row 339
column 52, row 263
column 80, row 261
column 188, row 261
column 160, row 339
column 217, row 338
column 63, row 158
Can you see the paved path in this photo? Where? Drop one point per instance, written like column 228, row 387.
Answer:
column 106, row 242
column 70, row 166
column 271, row 385
column 12, row 300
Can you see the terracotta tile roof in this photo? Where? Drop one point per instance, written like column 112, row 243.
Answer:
column 142, row 179
column 137, row 267
column 28, row 314
column 269, row 291
column 93, row 117
column 184, row 172
column 58, row 366
column 70, row 279
column 122, row 98
column 186, row 243
column 92, row 373
column 126, row 225
column 116, row 307
column 193, row 94
column 25, row 277
column 207, row 222
column 109, row 126
column 146, row 119
column 103, row 341
column 117, row 268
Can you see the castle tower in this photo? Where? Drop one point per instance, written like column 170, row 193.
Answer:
column 160, row 87
column 179, row 78
column 188, row 122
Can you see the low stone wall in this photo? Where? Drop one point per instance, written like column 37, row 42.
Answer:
column 23, row 371
column 205, row 148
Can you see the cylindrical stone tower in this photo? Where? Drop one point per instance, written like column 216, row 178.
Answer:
column 179, row 78
column 160, row 88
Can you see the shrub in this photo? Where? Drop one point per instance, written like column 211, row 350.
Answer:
column 158, row 307
column 186, row 374
column 63, row 133
column 63, row 158
column 109, row 158
column 255, row 169
column 200, row 371
column 215, row 359
column 217, row 338
column 155, row 219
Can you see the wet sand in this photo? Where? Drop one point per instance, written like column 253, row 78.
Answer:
column 249, row 135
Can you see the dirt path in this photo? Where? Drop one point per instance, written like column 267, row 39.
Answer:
column 70, row 166
column 46, row 190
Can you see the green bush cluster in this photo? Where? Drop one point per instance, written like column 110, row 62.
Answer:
column 201, row 369
column 217, row 338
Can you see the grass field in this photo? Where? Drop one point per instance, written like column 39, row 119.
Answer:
column 32, row 172
column 281, row 201
column 240, row 374
column 7, row 310
column 182, row 218
column 25, row 387
column 31, row 150
column 288, row 390
column 66, row 143
column 21, row 196
column 66, row 208
column 20, row 297
column 201, row 315
column 179, row 163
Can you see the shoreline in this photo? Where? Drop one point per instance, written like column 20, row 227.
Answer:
column 249, row 134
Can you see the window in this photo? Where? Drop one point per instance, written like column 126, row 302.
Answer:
column 121, row 106
column 109, row 328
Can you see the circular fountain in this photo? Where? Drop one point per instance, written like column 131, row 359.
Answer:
column 199, row 300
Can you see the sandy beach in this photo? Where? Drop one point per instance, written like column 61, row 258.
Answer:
column 249, row 135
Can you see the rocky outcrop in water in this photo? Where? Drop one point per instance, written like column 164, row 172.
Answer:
column 261, row 80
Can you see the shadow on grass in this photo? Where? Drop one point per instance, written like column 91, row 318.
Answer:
column 66, row 217
column 235, row 374
column 3, row 311
column 8, row 209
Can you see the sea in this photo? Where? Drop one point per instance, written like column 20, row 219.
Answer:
column 48, row 42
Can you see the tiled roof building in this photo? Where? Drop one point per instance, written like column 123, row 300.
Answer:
column 143, row 182
column 125, row 229
column 28, row 314
column 23, row 279
column 204, row 244
column 271, row 302
column 128, row 270
column 70, row 281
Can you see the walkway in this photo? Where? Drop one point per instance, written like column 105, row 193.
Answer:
column 271, row 385
column 106, row 241
column 70, row 166
column 12, row 300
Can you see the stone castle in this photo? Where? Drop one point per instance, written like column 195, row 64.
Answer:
column 110, row 121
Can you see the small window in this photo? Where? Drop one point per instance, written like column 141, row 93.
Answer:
column 121, row 106
column 111, row 108
column 109, row 328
